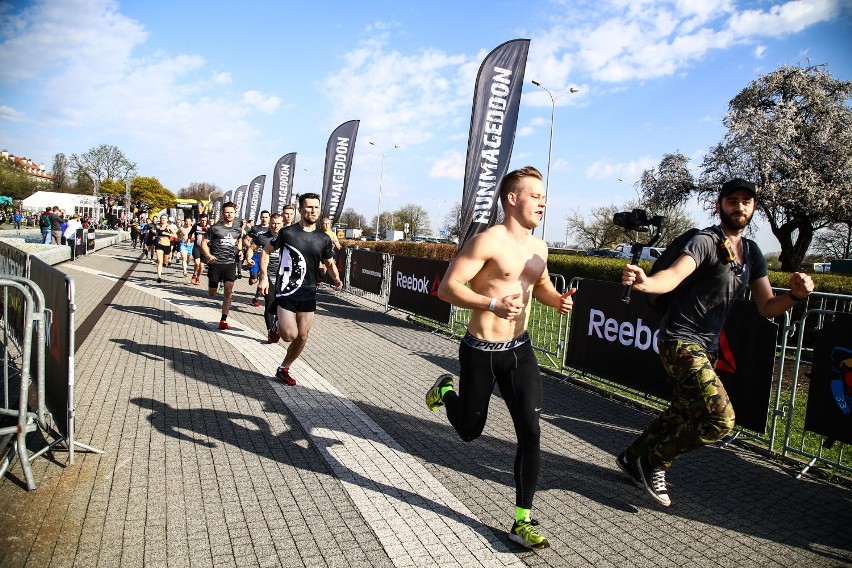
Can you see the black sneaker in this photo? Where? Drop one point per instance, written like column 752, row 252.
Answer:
column 629, row 468
column 654, row 480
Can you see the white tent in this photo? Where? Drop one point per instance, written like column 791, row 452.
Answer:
column 69, row 203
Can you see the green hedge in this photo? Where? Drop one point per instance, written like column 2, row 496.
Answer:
column 572, row 265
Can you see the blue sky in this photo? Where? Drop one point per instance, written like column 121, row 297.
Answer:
column 216, row 92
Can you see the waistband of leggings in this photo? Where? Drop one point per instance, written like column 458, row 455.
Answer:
column 484, row 345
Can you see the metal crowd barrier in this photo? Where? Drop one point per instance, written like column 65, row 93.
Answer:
column 549, row 332
column 24, row 323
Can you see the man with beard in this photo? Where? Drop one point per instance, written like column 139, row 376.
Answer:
column 302, row 248
column 725, row 263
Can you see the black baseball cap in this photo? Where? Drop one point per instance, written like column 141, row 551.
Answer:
column 735, row 185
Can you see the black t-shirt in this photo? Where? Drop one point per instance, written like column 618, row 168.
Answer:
column 301, row 253
column 223, row 242
column 262, row 239
column 197, row 232
column 698, row 314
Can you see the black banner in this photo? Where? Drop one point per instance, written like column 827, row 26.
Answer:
column 829, row 411
column 239, row 201
column 56, row 288
column 338, row 163
column 493, row 119
column 217, row 210
column 253, row 197
column 618, row 342
column 79, row 243
column 90, row 241
column 282, row 182
column 366, row 270
column 414, row 286
column 13, row 260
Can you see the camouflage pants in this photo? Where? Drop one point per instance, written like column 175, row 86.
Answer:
column 700, row 412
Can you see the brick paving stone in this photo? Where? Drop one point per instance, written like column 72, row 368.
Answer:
column 208, row 462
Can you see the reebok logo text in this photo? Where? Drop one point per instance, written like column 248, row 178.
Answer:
column 628, row 334
column 412, row 283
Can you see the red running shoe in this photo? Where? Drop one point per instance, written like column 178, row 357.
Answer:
column 283, row 374
column 255, row 302
column 223, row 325
column 273, row 336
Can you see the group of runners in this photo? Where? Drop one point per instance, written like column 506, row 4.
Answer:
column 284, row 261
column 495, row 275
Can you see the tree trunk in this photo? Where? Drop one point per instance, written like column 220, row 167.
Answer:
column 792, row 253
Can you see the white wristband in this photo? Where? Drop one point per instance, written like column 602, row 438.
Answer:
column 492, row 304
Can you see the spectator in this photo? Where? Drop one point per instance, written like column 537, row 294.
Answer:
column 17, row 218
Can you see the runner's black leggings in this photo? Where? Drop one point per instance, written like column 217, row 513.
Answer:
column 516, row 373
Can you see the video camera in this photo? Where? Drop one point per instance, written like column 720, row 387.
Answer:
column 637, row 220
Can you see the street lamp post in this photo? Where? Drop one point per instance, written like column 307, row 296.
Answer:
column 128, row 212
column 438, row 218
column 381, row 180
column 550, row 149
column 95, row 194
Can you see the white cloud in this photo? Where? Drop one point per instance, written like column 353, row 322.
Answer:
column 783, row 19
column 628, row 171
column 63, row 38
column 10, row 114
column 759, row 51
column 532, row 126
column 450, row 166
column 403, row 98
column 264, row 103
column 629, row 40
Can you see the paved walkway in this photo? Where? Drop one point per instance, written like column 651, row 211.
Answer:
column 209, row 462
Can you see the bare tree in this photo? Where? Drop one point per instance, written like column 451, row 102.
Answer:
column 834, row 242
column 598, row 231
column 102, row 163
column 452, row 222
column 199, row 190
column 416, row 216
column 351, row 218
column 61, row 181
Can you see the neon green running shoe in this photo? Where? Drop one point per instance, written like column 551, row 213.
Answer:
column 434, row 400
column 526, row 534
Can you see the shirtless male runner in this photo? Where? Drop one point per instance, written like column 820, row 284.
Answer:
column 506, row 266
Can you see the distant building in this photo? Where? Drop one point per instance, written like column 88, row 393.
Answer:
column 29, row 168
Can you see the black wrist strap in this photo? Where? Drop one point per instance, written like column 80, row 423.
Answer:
column 794, row 297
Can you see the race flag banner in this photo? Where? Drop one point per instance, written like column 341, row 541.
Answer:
column 829, row 411
column 496, row 100
column 338, row 164
column 618, row 342
column 227, row 197
column 217, row 210
column 253, row 197
column 239, row 200
column 282, row 182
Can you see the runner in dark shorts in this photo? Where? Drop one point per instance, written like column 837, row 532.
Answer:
column 302, row 248
column 196, row 233
column 221, row 246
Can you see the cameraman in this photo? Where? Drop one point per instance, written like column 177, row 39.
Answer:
column 700, row 412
